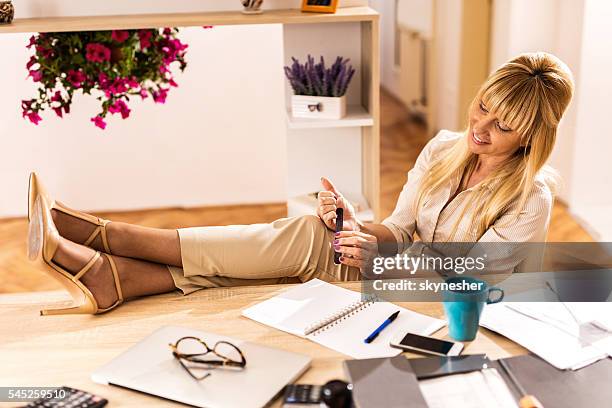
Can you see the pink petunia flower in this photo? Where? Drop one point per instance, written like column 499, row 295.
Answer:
column 26, row 106
column 118, row 86
column 120, row 35
column 103, row 80
column 132, row 82
column 172, row 48
column 57, row 97
column 160, row 96
column 145, row 38
column 33, row 61
column 32, row 42
column 96, row 52
column 99, row 122
column 76, row 78
column 36, row 75
column 120, row 107
column 34, row 117
column 43, row 51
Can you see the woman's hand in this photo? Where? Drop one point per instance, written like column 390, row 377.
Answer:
column 357, row 248
column 328, row 200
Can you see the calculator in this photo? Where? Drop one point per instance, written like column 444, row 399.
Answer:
column 302, row 395
column 73, row 398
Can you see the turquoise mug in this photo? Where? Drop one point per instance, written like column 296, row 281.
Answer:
column 463, row 307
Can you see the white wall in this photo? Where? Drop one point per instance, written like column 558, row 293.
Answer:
column 568, row 49
column 389, row 73
column 591, row 195
column 220, row 137
column 416, row 15
column 522, row 26
column 447, row 35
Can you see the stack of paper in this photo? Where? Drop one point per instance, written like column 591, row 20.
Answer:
column 484, row 388
column 567, row 339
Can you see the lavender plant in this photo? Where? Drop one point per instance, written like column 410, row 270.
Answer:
column 317, row 80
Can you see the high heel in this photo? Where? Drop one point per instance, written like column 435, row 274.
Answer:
column 36, row 189
column 43, row 241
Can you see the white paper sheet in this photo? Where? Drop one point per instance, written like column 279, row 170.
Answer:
column 554, row 343
column 478, row 389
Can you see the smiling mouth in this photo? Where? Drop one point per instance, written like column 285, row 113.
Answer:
column 478, row 140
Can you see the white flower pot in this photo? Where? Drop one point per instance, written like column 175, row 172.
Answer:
column 323, row 107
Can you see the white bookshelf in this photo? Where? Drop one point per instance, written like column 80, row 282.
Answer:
column 356, row 116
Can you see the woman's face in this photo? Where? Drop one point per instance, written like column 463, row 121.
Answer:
column 488, row 135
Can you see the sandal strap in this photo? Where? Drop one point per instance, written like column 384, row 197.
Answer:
column 105, row 243
column 87, row 267
column 111, row 261
column 100, row 230
column 97, row 221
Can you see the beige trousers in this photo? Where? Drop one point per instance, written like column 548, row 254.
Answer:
column 284, row 251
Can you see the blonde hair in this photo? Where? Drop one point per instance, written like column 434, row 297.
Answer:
column 530, row 94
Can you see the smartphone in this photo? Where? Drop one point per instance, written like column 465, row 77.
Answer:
column 427, row 345
column 339, row 226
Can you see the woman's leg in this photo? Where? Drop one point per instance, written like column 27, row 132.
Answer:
column 136, row 277
column 297, row 248
column 128, row 240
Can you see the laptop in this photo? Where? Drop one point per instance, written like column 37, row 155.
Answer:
column 150, row 367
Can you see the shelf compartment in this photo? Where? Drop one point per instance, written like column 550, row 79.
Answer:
column 356, row 116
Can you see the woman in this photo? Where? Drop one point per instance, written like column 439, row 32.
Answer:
column 487, row 184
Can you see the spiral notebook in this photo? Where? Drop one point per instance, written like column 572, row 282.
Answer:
column 339, row 318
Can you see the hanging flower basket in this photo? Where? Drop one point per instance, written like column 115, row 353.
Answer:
column 112, row 66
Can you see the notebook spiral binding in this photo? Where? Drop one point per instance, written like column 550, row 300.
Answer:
column 339, row 316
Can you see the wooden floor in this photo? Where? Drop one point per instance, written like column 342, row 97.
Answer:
column 401, row 138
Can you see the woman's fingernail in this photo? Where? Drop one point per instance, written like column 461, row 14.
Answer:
column 341, row 258
column 337, row 234
column 336, row 241
column 336, row 247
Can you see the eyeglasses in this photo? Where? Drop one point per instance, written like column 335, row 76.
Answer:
column 190, row 352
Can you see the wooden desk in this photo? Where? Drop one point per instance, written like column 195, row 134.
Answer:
column 65, row 350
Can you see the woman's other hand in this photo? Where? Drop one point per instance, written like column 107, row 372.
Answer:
column 328, row 200
column 357, row 248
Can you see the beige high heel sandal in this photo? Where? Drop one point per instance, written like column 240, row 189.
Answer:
column 36, row 189
column 43, row 241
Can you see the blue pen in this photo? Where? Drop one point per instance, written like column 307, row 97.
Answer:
column 380, row 328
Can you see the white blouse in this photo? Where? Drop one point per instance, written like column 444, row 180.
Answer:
column 434, row 223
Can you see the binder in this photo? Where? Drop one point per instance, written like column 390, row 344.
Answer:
column 587, row 387
column 392, row 382
column 384, row 382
